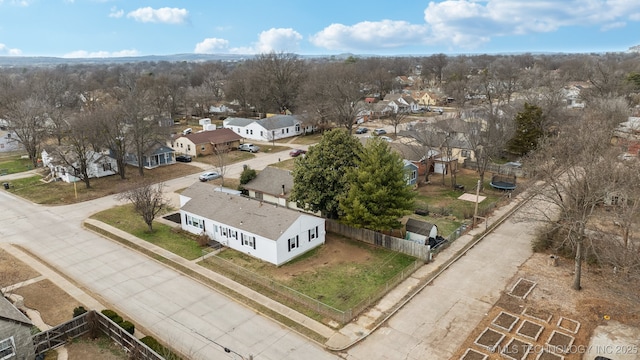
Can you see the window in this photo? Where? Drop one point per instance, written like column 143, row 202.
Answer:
column 7, row 348
column 202, row 148
column 251, row 131
column 106, row 167
column 249, row 241
column 465, row 153
column 181, row 145
column 313, row 233
column 293, row 243
column 188, row 147
column 297, row 127
column 414, row 175
column 261, row 133
column 246, row 131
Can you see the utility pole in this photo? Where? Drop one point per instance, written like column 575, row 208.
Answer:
column 475, row 213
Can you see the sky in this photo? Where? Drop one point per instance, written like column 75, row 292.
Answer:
column 115, row 28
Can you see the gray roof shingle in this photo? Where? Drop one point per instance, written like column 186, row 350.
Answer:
column 239, row 212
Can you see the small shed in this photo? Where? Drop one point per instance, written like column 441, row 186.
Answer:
column 420, row 231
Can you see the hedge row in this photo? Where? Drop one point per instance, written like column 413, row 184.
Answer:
column 162, row 350
column 126, row 325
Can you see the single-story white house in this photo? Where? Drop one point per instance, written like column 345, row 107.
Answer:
column 267, row 129
column 99, row 164
column 8, row 141
column 266, row 231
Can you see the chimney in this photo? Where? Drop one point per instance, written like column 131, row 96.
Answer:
column 282, row 190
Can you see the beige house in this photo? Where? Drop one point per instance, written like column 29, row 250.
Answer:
column 206, row 142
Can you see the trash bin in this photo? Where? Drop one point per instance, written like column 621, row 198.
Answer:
column 553, row 260
column 6, row 185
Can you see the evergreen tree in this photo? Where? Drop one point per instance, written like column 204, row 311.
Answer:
column 319, row 177
column 528, row 130
column 378, row 192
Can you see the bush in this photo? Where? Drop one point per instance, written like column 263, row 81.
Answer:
column 159, row 348
column 109, row 313
column 117, row 319
column 79, row 311
column 128, row 327
column 203, row 239
column 247, row 175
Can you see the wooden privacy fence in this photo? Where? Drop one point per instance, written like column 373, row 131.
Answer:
column 82, row 324
column 379, row 239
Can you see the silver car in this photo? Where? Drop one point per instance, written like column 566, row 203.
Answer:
column 209, row 175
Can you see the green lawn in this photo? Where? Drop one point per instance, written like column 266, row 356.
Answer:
column 124, row 218
column 15, row 164
column 342, row 284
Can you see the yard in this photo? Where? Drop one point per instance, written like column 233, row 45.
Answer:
column 342, row 273
column 56, row 193
column 178, row 242
column 441, row 201
column 14, row 164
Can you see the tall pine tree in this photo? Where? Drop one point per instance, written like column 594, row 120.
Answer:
column 528, row 130
column 378, row 193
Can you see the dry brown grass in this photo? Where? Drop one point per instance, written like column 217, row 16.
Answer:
column 60, row 193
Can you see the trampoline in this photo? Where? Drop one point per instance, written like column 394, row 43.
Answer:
column 503, row 182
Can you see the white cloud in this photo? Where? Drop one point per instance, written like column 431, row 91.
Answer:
column 615, row 25
column 466, row 23
column 16, row 2
column 385, row 34
column 209, row 45
column 9, row 51
column 276, row 40
column 100, row 54
column 116, row 13
column 163, row 15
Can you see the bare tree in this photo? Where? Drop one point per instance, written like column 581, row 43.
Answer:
column 80, row 149
column 148, row 201
column 574, row 169
column 27, row 119
column 335, row 92
column 221, row 159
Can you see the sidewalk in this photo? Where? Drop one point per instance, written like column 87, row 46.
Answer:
column 366, row 323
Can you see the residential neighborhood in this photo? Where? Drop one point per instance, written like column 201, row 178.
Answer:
column 292, row 227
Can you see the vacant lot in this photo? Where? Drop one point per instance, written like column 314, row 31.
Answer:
column 552, row 306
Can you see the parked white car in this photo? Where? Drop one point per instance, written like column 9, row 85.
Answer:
column 209, row 175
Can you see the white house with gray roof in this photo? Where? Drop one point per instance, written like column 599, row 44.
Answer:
column 266, row 231
column 267, row 129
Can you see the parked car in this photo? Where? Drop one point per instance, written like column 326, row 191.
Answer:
column 249, row 147
column 183, row 158
column 297, row 152
column 379, row 131
column 209, row 175
column 386, row 138
column 362, row 130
